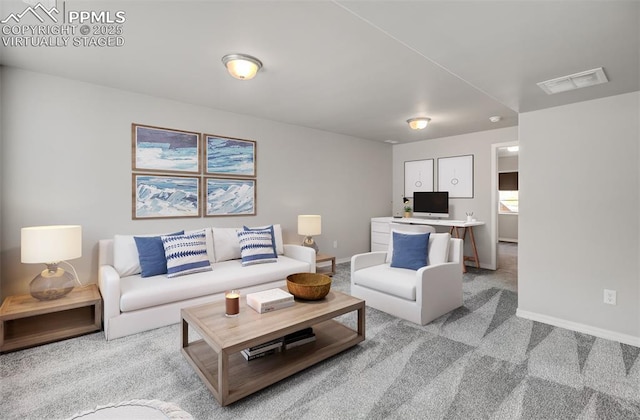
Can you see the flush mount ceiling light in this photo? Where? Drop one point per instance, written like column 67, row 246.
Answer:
column 418, row 123
column 495, row 118
column 242, row 66
column 574, row 81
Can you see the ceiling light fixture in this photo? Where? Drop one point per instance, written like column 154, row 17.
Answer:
column 418, row 123
column 495, row 118
column 242, row 66
column 513, row 148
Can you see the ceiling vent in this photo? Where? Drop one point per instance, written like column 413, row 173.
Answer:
column 574, row 81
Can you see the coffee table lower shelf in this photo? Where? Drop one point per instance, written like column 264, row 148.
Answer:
column 246, row 377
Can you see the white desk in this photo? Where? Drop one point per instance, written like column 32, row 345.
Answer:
column 454, row 226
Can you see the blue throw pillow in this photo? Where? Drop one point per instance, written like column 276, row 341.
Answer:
column 151, row 254
column 186, row 253
column 410, row 251
column 273, row 236
column 257, row 246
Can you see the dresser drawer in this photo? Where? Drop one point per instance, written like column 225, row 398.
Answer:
column 380, row 227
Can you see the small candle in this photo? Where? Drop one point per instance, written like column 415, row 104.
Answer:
column 232, row 302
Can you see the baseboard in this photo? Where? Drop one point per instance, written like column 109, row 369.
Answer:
column 581, row 328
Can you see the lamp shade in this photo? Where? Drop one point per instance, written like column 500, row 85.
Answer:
column 48, row 244
column 242, row 66
column 309, row 224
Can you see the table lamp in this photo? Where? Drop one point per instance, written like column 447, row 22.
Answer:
column 51, row 245
column 309, row 225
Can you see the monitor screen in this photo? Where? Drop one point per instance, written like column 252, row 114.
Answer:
column 431, row 204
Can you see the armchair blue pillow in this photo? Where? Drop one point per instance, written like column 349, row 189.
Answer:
column 410, row 250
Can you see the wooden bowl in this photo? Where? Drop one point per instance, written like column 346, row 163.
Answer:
column 309, row 286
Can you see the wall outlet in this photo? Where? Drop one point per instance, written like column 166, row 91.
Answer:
column 609, row 297
column 335, row 244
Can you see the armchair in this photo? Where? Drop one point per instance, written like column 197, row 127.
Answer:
column 417, row 296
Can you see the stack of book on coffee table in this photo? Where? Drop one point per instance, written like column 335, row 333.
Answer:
column 289, row 341
column 261, row 350
column 298, row 338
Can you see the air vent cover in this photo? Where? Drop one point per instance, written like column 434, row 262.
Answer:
column 574, row 81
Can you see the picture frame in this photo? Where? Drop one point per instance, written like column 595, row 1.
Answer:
column 228, row 156
column 418, row 176
column 229, row 197
column 157, row 149
column 157, row 196
column 455, row 175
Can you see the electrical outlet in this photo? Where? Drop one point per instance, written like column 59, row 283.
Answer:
column 609, row 297
column 335, row 244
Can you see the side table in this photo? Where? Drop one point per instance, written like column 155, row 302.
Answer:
column 26, row 321
column 325, row 258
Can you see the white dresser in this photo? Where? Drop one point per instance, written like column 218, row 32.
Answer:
column 380, row 228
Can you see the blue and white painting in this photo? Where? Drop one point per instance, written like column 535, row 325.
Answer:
column 166, row 196
column 161, row 149
column 227, row 156
column 231, row 197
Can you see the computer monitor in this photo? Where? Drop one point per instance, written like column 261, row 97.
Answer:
column 431, row 204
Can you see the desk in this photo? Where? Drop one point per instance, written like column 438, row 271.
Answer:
column 454, row 229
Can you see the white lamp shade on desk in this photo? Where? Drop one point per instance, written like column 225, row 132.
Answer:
column 48, row 244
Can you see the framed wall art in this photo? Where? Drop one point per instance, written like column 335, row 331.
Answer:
column 228, row 156
column 164, row 150
column 418, row 176
column 165, row 196
column 455, row 174
column 230, row 197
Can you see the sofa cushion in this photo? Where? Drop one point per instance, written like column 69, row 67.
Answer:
column 257, row 246
column 439, row 248
column 268, row 228
column 400, row 282
column 139, row 293
column 409, row 251
column 226, row 244
column 186, row 254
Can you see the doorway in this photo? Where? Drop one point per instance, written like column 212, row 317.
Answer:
column 505, row 213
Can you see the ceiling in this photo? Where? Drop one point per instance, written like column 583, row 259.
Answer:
column 354, row 67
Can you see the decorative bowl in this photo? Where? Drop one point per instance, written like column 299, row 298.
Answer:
column 309, row 286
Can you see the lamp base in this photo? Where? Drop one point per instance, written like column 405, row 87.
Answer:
column 52, row 283
column 309, row 242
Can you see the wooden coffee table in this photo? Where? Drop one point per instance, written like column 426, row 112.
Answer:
column 217, row 359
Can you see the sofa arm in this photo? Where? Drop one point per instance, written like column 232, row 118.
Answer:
column 109, row 284
column 368, row 259
column 301, row 253
column 446, row 280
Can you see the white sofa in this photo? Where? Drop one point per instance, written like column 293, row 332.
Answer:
column 133, row 303
column 419, row 296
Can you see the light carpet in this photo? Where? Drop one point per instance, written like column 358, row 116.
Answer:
column 478, row 362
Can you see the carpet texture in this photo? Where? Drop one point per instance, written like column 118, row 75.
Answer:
column 478, row 362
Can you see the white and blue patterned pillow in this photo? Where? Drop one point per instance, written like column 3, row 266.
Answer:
column 186, row 253
column 257, row 246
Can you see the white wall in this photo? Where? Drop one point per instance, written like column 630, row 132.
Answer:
column 579, row 216
column 479, row 145
column 66, row 158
